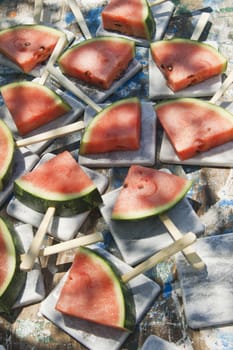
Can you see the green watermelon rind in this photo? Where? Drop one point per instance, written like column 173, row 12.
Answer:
column 89, row 41
column 144, row 214
column 44, row 28
column 17, row 278
column 86, row 137
column 203, row 45
column 6, row 172
column 66, row 205
column 56, row 97
column 128, row 314
column 224, row 113
column 149, row 21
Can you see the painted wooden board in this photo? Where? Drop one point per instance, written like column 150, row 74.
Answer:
column 99, row 95
column 144, row 156
column 62, row 228
column 208, row 296
column 221, row 156
column 137, row 240
column 18, row 20
column 67, row 118
column 97, row 337
column 162, row 14
column 158, row 87
column 34, row 290
column 156, row 343
column 24, row 160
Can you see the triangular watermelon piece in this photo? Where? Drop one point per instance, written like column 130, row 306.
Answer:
column 98, row 61
column 93, row 291
column 61, row 183
column 186, row 62
column 147, row 192
column 12, row 280
column 32, row 105
column 28, row 45
column 131, row 17
column 7, row 147
column 194, row 126
column 116, row 128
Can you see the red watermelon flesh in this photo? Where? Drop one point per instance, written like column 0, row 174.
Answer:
column 147, row 192
column 93, row 291
column 98, row 61
column 32, row 105
column 132, row 17
column 116, row 128
column 194, row 126
column 186, row 62
column 7, row 148
column 28, row 45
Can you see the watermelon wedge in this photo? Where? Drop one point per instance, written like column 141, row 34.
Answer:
column 115, row 128
column 147, row 192
column 93, row 291
column 186, row 62
column 132, row 17
column 28, row 45
column 7, row 147
column 12, row 280
column 194, row 126
column 61, row 183
column 98, row 61
column 32, row 105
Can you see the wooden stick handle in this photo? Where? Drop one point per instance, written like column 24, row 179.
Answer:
column 227, row 82
column 65, row 82
column 80, row 19
column 28, row 259
column 38, row 7
column 163, row 254
column 200, row 26
column 51, row 134
column 189, row 252
column 157, row 2
column 73, row 243
column 62, row 42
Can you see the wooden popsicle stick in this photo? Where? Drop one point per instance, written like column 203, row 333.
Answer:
column 227, row 82
column 61, row 43
column 37, row 11
column 200, row 26
column 51, row 134
column 80, row 19
column 28, row 259
column 163, row 254
column 189, row 253
column 65, row 82
column 73, row 243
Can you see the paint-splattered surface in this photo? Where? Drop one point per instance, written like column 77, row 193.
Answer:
column 211, row 195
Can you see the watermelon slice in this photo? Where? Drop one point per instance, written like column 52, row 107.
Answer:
column 132, row 17
column 115, row 128
column 28, row 45
column 98, row 61
column 61, row 183
column 194, row 126
column 7, row 147
column 147, row 192
column 12, row 279
column 94, row 291
column 32, row 105
column 186, row 62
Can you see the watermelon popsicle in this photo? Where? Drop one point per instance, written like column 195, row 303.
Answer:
column 92, row 273
column 148, row 192
column 48, row 189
